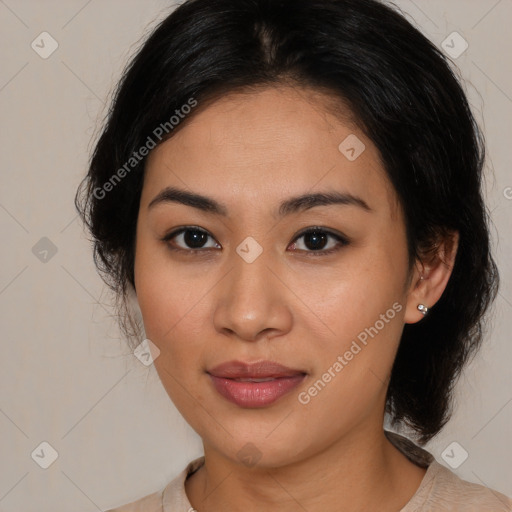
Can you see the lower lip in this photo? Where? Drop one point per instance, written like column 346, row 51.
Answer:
column 255, row 394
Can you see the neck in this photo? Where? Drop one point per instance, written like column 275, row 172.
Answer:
column 361, row 471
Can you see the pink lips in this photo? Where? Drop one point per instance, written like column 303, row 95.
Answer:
column 255, row 384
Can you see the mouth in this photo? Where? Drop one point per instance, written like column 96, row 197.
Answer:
column 253, row 385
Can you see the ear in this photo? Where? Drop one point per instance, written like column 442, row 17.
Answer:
column 430, row 275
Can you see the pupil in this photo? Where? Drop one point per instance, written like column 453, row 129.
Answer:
column 315, row 237
column 195, row 238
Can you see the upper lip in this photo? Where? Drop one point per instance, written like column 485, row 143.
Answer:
column 258, row 369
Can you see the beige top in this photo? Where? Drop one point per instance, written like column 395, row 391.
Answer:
column 440, row 490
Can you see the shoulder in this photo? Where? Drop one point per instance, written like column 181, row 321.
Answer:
column 447, row 491
column 172, row 497
column 441, row 490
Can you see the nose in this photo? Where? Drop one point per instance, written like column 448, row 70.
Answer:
column 252, row 302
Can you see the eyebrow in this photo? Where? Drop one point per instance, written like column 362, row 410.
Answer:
column 287, row 207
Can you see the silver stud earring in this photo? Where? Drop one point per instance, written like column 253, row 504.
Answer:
column 424, row 309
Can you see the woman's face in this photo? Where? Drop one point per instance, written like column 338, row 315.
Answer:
column 245, row 284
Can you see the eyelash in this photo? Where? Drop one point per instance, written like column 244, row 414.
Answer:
column 342, row 241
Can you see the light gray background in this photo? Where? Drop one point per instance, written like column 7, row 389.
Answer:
column 66, row 377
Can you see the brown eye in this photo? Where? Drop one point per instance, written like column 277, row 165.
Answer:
column 317, row 239
column 189, row 239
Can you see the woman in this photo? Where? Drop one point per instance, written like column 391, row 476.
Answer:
column 292, row 191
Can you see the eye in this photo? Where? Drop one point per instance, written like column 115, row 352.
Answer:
column 189, row 239
column 316, row 238
column 193, row 239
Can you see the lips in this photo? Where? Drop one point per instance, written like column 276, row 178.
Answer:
column 254, row 384
column 253, row 371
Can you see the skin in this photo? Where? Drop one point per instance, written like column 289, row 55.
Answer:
column 250, row 152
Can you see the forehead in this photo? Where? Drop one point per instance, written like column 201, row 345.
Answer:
column 286, row 139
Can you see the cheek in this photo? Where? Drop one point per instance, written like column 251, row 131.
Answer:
column 171, row 310
column 353, row 295
column 362, row 304
column 157, row 292
column 353, row 367
column 163, row 291
column 173, row 301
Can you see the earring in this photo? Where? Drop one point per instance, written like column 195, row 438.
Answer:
column 424, row 309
